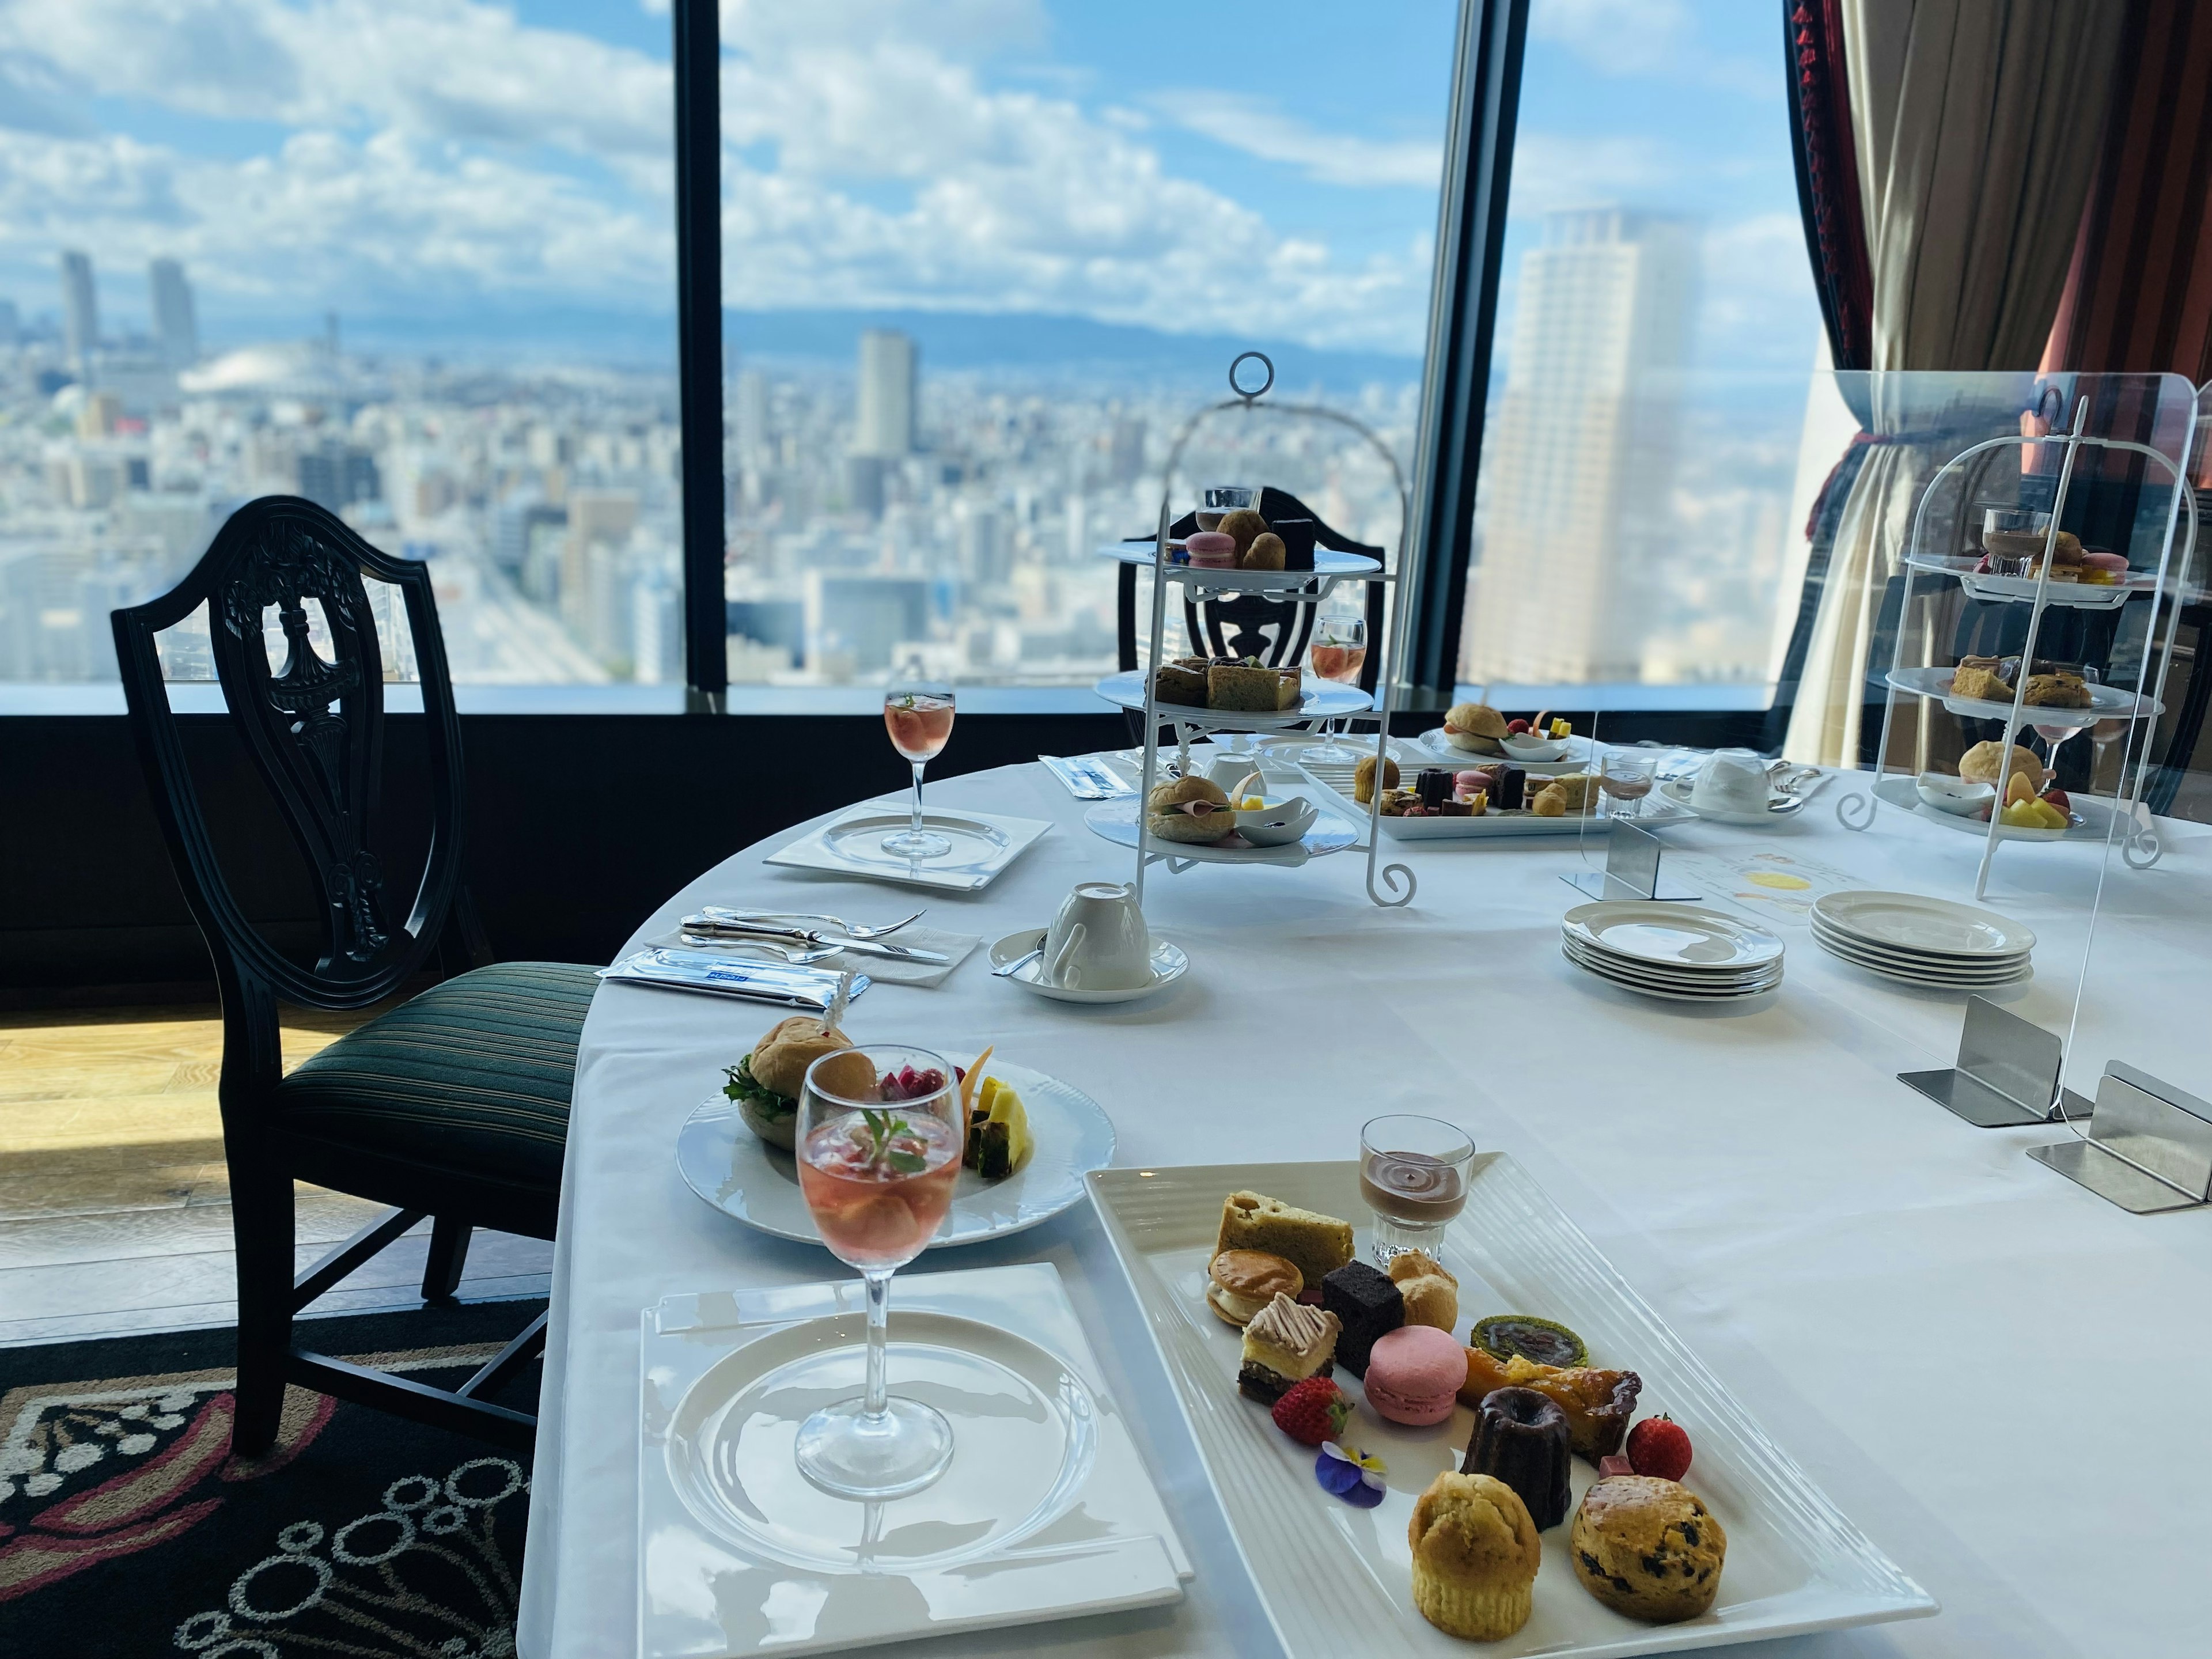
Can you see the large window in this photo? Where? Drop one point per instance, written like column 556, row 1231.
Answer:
column 981, row 260
column 1657, row 337
column 414, row 261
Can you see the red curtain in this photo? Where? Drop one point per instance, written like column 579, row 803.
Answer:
column 1828, row 177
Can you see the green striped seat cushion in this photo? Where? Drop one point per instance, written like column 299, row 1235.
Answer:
column 472, row 1077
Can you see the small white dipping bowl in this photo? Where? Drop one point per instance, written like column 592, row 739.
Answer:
column 1955, row 795
column 1529, row 747
column 1277, row 822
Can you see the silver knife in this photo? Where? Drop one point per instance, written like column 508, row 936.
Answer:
column 865, row 947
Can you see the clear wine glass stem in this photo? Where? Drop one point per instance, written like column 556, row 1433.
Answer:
column 879, row 1313
column 917, row 765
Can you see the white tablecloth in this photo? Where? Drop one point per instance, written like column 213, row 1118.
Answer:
column 1997, row 1374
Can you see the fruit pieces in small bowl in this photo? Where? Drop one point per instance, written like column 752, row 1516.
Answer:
column 1540, row 739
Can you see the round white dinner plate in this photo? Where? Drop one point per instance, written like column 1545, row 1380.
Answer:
column 1675, row 935
column 1705, row 977
column 1168, row 965
column 1913, row 921
column 1644, row 987
column 1929, row 959
column 1024, row 1435
column 1117, row 821
column 749, row 1181
column 1949, row 979
column 1675, row 979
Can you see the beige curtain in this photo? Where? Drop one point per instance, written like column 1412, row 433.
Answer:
column 1975, row 123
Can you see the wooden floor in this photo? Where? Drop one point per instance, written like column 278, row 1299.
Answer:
column 114, row 1207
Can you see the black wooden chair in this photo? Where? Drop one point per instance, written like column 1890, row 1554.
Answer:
column 453, row 1105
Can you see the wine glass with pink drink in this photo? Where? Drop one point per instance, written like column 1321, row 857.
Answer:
column 879, row 1138
column 918, row 713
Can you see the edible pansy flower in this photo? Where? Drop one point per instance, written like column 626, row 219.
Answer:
column 1348, row 1473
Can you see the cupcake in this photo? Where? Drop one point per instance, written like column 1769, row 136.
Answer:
column 1475, row 1555
column 1647, row 1549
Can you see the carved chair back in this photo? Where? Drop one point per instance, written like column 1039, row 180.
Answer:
column 314, row 725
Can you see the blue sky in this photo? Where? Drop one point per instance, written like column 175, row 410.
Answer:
column 1261, row 168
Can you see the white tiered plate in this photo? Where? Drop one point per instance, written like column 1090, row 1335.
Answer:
column 1117, row 821
column 2092, row 818
column 1045, row 1512
column 749, row 1181
column 1335, row 1581
column 2106, row 703
column 1323, row 700
column 1327, row 564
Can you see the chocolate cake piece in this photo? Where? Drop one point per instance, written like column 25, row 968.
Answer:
column 1509, row 796
column 1368, row 1306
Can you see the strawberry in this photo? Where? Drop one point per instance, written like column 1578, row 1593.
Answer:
column 1518, row 728
column 1312, row 1412
column 1658, row 1446
column 2058, row 798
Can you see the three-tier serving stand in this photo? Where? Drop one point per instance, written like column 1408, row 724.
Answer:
column 1390, row 885
column 2122, row 817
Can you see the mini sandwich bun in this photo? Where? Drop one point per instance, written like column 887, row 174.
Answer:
column 1980, row 764
column 1165, row 819
column 1474, row 726
column 781, row 1059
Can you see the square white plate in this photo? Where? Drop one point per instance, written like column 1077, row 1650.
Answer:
column 1088, row 1535
column 983, row 845
column 1336, row 1580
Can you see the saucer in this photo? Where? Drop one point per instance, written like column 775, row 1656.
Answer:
column 1678, row 791
column 1168, row 965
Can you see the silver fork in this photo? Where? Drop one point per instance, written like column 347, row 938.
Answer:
column 713, row 914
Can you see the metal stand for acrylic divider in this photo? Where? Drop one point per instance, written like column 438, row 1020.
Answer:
column 2148, row 1147
column 1631, row 868
column 2007, row 1075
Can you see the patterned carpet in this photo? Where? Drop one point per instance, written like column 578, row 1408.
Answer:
column 127, row 1528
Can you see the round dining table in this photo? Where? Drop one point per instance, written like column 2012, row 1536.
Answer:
column 1997, row 1374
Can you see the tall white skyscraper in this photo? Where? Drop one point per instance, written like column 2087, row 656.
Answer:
column 1575, row 513
column 885, row 426
column 79, row 307
column 174, row 324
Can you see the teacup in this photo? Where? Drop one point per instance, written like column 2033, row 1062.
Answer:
column 1730, row 780
column 1098, row 941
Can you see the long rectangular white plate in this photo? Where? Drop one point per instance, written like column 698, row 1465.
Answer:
column 1334, row 783
column 1106, row 1545
column 985, row 843
column 1336, row 1580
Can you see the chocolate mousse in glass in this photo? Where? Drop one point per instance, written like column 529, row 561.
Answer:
column 1412, row 1173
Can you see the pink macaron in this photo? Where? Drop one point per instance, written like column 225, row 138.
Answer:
column 1415, row 1374
column 1211, row 549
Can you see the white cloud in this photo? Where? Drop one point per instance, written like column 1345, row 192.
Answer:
column 442, row 151
column 1553, row 170
column 1656, row 38
column 1253, row 126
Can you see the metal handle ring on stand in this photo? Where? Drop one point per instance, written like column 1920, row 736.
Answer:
column 2146, row 840
column 1855, row 811
column 1265, row 362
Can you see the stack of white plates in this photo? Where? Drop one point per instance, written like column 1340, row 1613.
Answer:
column 1923, row 941
column 1674, row 950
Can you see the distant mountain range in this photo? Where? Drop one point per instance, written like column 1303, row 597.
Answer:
column 948, row 340
column 968, row 339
